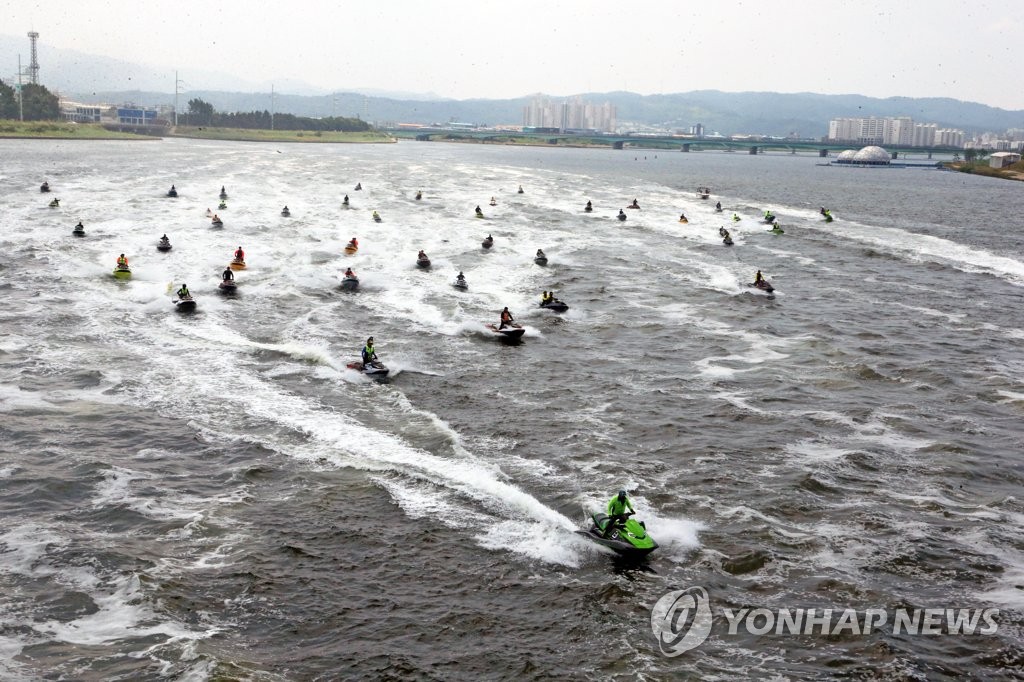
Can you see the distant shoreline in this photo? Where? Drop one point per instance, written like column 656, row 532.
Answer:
column 59, row 130
column 1014, row 172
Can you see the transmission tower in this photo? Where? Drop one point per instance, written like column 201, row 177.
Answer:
column 33, row 66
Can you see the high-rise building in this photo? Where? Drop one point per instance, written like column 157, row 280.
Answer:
column 899, row 131
column 571, row 114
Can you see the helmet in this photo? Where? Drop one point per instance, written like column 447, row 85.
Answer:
column 622, row 495
column 369, row 340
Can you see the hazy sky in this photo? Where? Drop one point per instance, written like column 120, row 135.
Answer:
column 481, row 48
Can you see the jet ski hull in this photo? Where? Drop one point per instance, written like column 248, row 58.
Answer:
column 122, row 273
column 350, row 283
column 185, row 305
column 630, row 539
column 228, row 286
column 461, row 286
column 78, row 233
column 349, row 250
column 509, row 332
column 238, row 265
column 163, row 247
column 423, row 263
column 379, row 371
column 556, row 306
column 540, row 261
column 487, row 243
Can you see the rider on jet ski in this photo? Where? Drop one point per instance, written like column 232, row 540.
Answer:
column 369, row 354
column 616, row 510
column 758, row 278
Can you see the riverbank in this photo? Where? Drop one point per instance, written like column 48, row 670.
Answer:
column 1013, row 172
column 254, row 135
column 59, row 130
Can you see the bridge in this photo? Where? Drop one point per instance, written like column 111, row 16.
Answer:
column 670, row 142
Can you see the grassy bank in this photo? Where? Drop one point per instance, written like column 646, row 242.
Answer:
column 253, row 135
column 63, row 131
column 1013, row 172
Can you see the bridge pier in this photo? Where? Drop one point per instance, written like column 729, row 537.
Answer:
column 753, row 151
column 929, row 155
column 423, row 138
column 617, row 145
column 686, row 148
column 895, row 155
column 822, row 153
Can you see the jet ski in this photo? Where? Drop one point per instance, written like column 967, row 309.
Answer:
column 777, row 229
column 768, row 219
column 493, row 202
column 172, row 192
column 186, row 304
column 376, row 217
column 556, row 305
column 683, row 220
column 221, row 206
column 487, row 243
column 216, row 222
column 460, row 284
column 228, row 286
column 512, row 331
column 828, row 217
column 622, row 216
column 285, row 213
column 374, row 369
column 419, row 196
column 763, row 285
column 541, row 260
column 350, row 283
column 55, row 203
column 237, row 264
column 423, row 262
column 629, row 539
column 122, row 272
column 588, row 209
column 79, row 231
column 163, row 246
column 45, row 187
column 727, row 240
column 223, row 194
column 350, row 249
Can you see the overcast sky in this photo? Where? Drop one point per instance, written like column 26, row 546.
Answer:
column 510, row 48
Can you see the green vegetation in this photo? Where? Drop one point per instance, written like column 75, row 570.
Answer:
column 39, row 103
column 202, row 113
column 255, row 135
column 61, row 130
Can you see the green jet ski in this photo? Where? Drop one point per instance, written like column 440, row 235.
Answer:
column 629, row 538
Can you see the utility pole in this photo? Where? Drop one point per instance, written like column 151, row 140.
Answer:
column 271, row 106
column 21, row 95
column 177, row 84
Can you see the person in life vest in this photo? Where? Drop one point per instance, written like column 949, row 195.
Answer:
column 460, row 278
column 349, row 273
column 419, row 195
column 369, row 354
column 634, row 204
column 506, row 318
column 345, row 200
column 239, row 254
column 540, row 254
column 354, row 243
column 758, row 278
column 122, row 262
column 359, row 186
column 590, row 206
column 616, row 511
column 183, row 291
column 478, row 211
column 165, row 240
column 718, row 205
column 421, row 255
column 227, row 275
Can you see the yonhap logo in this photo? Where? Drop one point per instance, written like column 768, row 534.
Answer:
column 681, row 620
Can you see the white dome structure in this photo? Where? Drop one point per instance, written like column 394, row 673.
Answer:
column 875, row 156
column 868, row 156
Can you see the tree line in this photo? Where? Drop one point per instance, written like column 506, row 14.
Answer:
column 201, row 113
column 39, row 104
